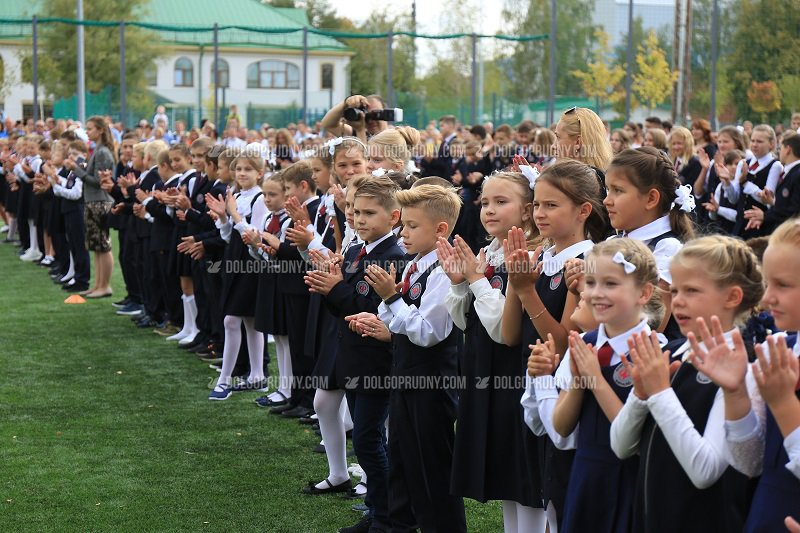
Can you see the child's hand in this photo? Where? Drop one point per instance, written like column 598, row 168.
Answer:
column 755, row 218
column 216, row 206
column 522, row 271
column 141, row 196
column 251, row 237
column 653, row 366
column 117, row 209
column 575, row 274
column 724, row 366
column 338, row 196
column 777, row 379
column 383, row 282
column 230, row 207
column 273, row 241
column 712, row 205
column 299, row 235
column 722, row 173
column 185, row 245
column 702, row 157
column 197, row 251
column 182, row 200
column 543, row 360
column 449, row 261
column 767, row 197
column 473, row 267
column 585, row 356
column 139, row 210
column 296, row 212
column 323, row 282
column 369, row 325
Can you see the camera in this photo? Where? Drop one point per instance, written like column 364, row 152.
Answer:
column 353, row 114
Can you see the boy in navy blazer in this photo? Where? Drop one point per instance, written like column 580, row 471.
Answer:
column 422, row 415
column 362, row 362
column 786, row 202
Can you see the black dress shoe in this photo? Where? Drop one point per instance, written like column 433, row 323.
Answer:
column 199, row 342
column 362, row 526
column 297, row 412
column 279, row 409
column 311, row 488
column 307, row 420
column 76, row 287
column 319, row 448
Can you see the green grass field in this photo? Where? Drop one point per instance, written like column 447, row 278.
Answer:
column 105, row 427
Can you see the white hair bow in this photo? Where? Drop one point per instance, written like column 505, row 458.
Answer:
column 620, row 260
column 684, row 198
column 530, row 173
column 378, row 172
column 411, row 167
column 333, row 143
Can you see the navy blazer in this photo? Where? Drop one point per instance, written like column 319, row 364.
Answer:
column 358, row 356
column 787, row 200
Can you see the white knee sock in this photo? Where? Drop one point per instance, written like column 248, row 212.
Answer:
column 284, row 356
column 12, row 228
column 345, row 414
column 230, row 351
column 188, row 321
column 71, row 270
column 255, row 349
column 327, row 404
column 530, row 519
column 510, row 517
column 33, row 237
column 552, row 517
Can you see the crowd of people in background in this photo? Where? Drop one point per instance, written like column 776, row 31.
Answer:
column 582, row 322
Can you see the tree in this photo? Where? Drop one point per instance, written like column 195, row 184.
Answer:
column 653, row 83
column 601, row 79
column 763, row 45
column 530, row 73
column 764, row 98
column 58, row 50
column 790, row 89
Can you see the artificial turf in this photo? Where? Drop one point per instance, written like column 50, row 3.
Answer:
column 106, row 427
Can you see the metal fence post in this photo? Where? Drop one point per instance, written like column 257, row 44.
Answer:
column 123, row 86
column 35, row 68
column 305, row 71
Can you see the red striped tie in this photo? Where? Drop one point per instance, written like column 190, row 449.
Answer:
column 360, row 255
column 754, row 165
column 604, row 354
column 407, row 279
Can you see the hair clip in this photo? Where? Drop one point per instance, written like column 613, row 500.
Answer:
column 378, row 172
column 684, row 198
column 411, row 167
column 530, row 173
column 627, row 265
column 333, row 143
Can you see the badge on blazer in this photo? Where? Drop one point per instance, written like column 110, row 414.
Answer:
column 555, row 281
column 496, row 282
column 415, row 291
column 785, row 192
column 702, row 379
column 362, row 288
column 621, row 376
column 200, row 199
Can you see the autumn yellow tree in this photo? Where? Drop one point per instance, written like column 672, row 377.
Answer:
column 653, row 83
column 764, row 98
column 601, row 78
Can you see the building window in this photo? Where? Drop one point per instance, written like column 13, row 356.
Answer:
column 271, row 74
column 223, row 76
column 45, row 108
column 27, row 69
column 184, row 72
column 327, row 76
column 151, row 75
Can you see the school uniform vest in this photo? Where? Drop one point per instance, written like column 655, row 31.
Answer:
column 787, row 200
column 270, row 314
column 239, row 289
column 746, row 202
column 410, row 359
column 666, row 500
column 601, row 486
column 778, row 492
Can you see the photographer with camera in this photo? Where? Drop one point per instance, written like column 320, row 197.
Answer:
column 360, row 116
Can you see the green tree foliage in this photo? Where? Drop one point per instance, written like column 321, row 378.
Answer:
column 653, row 83
column 58, row 50
column 763, row 47
column 574, row 39
column 601, row 79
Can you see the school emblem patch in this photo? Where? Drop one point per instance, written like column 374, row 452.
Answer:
column 496, row 282
column 200, row 199
column 702, row 379
column 785, row 192
column 415, row 291
column 621, row 376
column 362, row 288
column 555, row 281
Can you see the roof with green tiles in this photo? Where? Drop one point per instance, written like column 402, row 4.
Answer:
column 200, row 14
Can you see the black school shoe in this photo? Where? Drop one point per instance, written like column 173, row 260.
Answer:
column 279, row 409
column 297, row 412
column 362, row 526
column 75, row 287
column 312, row 490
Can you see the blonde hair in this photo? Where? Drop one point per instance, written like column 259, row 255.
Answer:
column 139, row 148
column 154, row 149
column 646, row 273
column 397, row 144
column 787, row 233
column 526, row 195
column 688, row 143
column 346, row 145
column 625, row 136
column 659, row 137
column 438, row 203
column 727, row 262
column 767, row 130
column 256, row 161
column 584, row 123
column 382, row 189
column 358, row 180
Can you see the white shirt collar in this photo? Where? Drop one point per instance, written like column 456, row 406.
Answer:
column 652, row 230
column 764, row 161
column 189, row 173
column 494, row 253
column 685, row 349
column 619, row 343
column 371, row 246
column 790, row 166
column 173, row 178
column 309, row 200
column 796, row 347
column 553, row 264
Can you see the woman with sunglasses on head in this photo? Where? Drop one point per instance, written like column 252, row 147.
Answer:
column 581, row 135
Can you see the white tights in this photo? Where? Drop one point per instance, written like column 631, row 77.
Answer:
column 518, row 518
column 233, row 340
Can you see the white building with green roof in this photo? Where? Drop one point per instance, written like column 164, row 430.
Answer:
column 260, row 71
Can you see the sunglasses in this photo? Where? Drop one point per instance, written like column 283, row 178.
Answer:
column 571, row 111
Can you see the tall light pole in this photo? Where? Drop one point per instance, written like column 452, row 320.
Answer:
column 81, row 68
